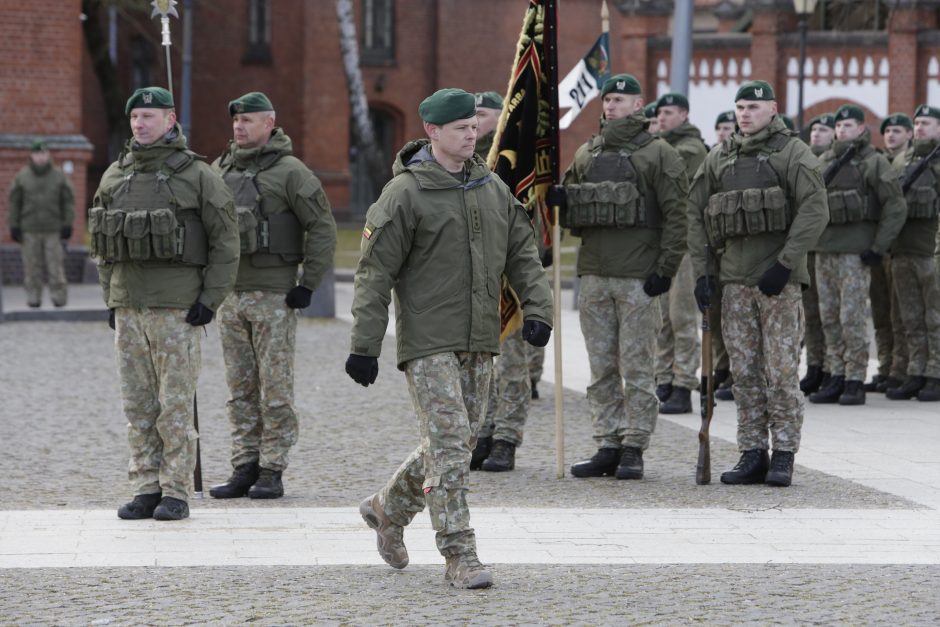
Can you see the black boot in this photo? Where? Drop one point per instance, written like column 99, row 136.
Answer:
column 907, row 390
column 813, row 379
column 268, row 485
column 631, row 463
column 535, row 390
column 751, row 468
column 663, row 390
column 679, row 401
column 781, row 469
column 481, row 452
column 931, row 390
column 171, row 509
column 243, row 477
column 872, row 386
column 831, row 392
column 140, row 507
column 502, row 457
column 724, row 391
column 603, row 463
column 887, row 384
column 854, row 393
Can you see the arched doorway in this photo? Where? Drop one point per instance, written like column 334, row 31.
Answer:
column 365, row 189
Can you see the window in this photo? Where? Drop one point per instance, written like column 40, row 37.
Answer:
column 378, row 29
column 259, row 32
column 849, row 15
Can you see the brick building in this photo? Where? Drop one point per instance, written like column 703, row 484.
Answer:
column 884, row 55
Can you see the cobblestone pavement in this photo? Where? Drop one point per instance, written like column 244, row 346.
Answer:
column 547, row 595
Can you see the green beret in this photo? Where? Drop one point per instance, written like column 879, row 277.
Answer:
column 897, row 119
column 447, row 105
column 38, row 145
column 850, row 112
column 489, row 100
column 621, row 84
column 672, row 100
column 650, row 110
column 727, row 116
column 787, row 121
column 927, row 111
column 250, row 103
column 755, row 90
column 826, row 119
column 149, row 98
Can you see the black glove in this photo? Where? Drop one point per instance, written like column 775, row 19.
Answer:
column 111, row 319
column 66, row 232
column 556, row 195
column 199, row 315
column 774, row 280
column 362, row 369
column 298, row 297
column 704, row 288
column 656, row 285
column 16, row 234
column 547, row 258
column 536, row 332
column 871, row 258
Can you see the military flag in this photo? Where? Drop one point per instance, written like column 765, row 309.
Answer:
column 583, row 83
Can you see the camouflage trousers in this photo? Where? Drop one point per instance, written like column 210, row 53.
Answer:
column 763, row 338
column 619, row 323
column 535, row 358
column 158, row 358
column 449, row 392
column 678, row 347
column 899, row 356
column 510, row 392
column 883, row 311
column 43, row 252
column 257, row 330
column 918, row 291
column 843, row 282
column 813, row 337
column 720, row 359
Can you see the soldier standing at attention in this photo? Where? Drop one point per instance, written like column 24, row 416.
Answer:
column 440, row 236
column 760, row 203
column 678, row 348
column 866, row 212
column 914, row 266
column 724, row 126
column 650, row 112
column 284, row 220
column 724, row 129
column 625, row 195
column 41, row 215
column 163, row 229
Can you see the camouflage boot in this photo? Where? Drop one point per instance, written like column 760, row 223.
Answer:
column 466, row 571
column 140, row 507
column 171, row 509
column 268, row 485
column 243, row 477
column 481, row 452
column 390, row 539
column 502, row 457
column 781, row 469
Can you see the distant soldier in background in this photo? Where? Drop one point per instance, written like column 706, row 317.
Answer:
column 650, row 112
column 724, row 126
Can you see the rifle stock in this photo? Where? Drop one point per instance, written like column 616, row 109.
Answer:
column 703, row 468
column 917, row 171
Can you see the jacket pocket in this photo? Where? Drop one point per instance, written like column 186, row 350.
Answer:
column 115, row 246
column 137, row 233
column 96, row 231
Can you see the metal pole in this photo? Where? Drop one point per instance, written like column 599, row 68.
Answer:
column 802, row 75
column 186, row 79
column 681, row 46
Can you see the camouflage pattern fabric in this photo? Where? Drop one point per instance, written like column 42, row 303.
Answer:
column 619, row 323
column 158, row 358
column 44, row 252
column 763, row 338
column 879, row 293
column 449, row 392
column 678, row 346
column 918, row 291
column 813, row 339
column 492, row 404
column 899, row 357
column 535, row 359
column 720, row 359
column 513, row 393
column 258, row 331
column 843, row 282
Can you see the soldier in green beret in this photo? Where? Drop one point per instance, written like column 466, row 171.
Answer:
column 897, row 131
column 41, row 215
column 440, row 236
column 284, row 221
column 650, row 112
column 822, row 131
column 489, row 105
column 788, row 121
column 763, row 170
column 164, row 232
column 724, row 126
column 866, row 212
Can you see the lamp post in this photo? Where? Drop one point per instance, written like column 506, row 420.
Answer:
column 803, row 9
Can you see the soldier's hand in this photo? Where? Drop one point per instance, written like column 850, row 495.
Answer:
column 16, row 234
column 547, row 258
column 774, row 280
column 111, row 319
column 536, row 332
column 656, row 285
column 556, row 196
column 362, row 369
column 66, row 232
column 298, row 297
column 704, row 288
column 199, row 315
column 871, row 258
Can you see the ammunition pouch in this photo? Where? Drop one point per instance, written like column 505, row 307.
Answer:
column 607, row 204
column 247, row 229
column 922, row 202
column 147, row 235
column 742, row 212
column 848, row 205
column 280, row 241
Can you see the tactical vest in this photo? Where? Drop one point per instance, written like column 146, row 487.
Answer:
column 752, row 198
column 269, row 240
column 145, row 222
column 922, row 200
column 850, row 200
column 611, row 193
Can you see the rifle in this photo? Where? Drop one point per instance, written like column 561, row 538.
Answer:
column 836, row 165
column 197, row 472
column 703, row 469
column 918, row 170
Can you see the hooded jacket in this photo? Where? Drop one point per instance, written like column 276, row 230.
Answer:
column 918, row 236
column 41, row 200
column 687, row 140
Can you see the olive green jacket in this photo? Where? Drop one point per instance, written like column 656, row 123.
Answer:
column 484, row 143
column 918, row 236
column 41, row 200
column 441, row 247
column 170, row 284
column 636, row 252
column 286, row 185
column 881, row 183
column 687, row 140
column 745, row 259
